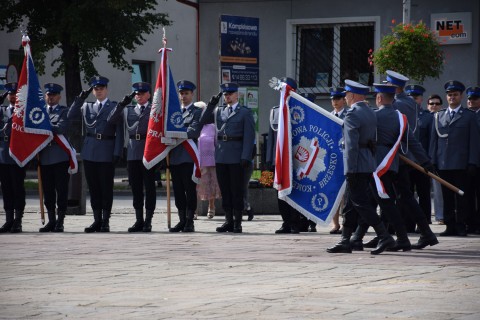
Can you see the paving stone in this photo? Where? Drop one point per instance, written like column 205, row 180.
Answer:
column 206, row 275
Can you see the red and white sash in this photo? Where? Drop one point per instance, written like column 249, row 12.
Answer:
column 383, row 167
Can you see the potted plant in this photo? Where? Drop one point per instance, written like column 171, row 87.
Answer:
column 411, row 49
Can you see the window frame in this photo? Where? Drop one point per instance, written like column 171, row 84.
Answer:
column 291, row 42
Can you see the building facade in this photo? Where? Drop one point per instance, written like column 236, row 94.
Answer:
column 318, row 43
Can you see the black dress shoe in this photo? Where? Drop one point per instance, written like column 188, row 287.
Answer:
column 449, row 231
column 430, row 240
column 6, row 227
column 372, row 243
column 383, row 245
column 356, row 245
column 94, row 227
column 294, row 230
column 17, row 226
column 341, row 247
column 283, row 229
column 137, row 227
column 49, row 227
column 237, row 229
column 178, row 227
column 250, row 214
column 461, row 230
column 403, row 245
column 226, row 227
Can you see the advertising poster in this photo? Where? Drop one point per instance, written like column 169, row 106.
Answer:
column 239, row 50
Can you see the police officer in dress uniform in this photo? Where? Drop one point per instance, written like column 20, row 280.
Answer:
column 409, row 108
column 135, row 118
column 55, row 162
column 454, row 149
column 359, row 129
column 233, row 152
column 102, row 148
column 181, row 163
column 473, row 219
column 419, row 181
column 12, row 176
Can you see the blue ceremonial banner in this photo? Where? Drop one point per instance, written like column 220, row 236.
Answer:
column 318, row 179
column 31, row 127
column 174, row 127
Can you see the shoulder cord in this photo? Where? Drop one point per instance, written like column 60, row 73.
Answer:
column 224, row 123
column 436, row 127
column 84, row 112
column 6, row 122
column 125, row 117
column 416, row 118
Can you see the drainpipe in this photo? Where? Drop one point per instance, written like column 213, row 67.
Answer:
column 406, row 11
column 195, row 5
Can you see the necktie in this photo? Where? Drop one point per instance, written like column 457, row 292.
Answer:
column 452, row 114
column 230, row 110
column 142, row 108
column 336, row 115
column 50, row 109
column 100, row 107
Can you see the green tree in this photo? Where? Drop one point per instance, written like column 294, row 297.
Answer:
column 81, row 29
column 411, row 49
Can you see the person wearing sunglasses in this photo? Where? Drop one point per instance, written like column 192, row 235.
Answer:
column 434, row 104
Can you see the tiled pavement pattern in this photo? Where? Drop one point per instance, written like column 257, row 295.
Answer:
column 206, row 275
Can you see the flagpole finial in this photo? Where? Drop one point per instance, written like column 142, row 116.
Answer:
column 25, row 38
column 164, row 38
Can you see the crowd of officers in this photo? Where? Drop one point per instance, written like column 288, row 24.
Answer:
column 443, row 142
column 105, row 123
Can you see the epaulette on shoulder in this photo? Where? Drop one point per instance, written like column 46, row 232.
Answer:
column 130, row 106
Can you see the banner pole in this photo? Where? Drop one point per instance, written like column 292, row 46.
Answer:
column 40, row 190
column 432, row 175
column 167, row 173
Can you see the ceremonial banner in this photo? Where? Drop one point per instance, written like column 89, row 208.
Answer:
column 31, row 128
column 72, row 154
column 283, row 157
column 318, row 180
column 165, row 126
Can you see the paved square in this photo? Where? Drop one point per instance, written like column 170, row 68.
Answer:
column 206, row 275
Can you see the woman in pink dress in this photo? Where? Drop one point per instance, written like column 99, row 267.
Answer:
column 207, row 188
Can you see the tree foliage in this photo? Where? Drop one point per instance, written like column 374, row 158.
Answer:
column 82, row 29
column 412, row 50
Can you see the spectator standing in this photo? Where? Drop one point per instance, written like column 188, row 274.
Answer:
column 207, row 188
